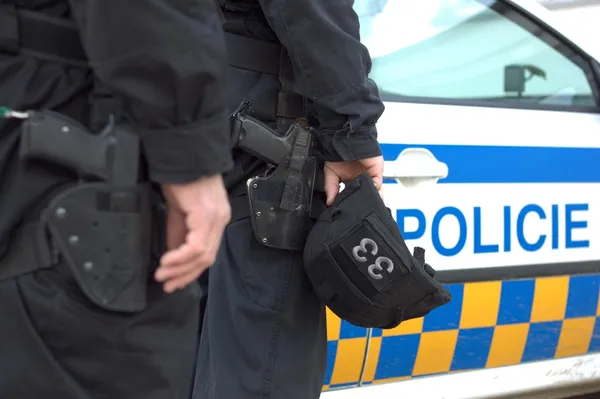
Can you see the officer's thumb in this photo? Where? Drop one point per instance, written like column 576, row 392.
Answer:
column 374, row 168
column 377, row 181
column 332, row 185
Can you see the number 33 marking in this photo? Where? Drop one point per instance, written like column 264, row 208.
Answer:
column 368, row 245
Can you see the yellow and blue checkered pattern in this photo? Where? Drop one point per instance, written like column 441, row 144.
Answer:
column 487, row 324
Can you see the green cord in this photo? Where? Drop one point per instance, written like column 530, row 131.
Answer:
column 5, row 112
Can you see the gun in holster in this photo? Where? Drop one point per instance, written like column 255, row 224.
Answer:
column 282, row 200
column 101, row 225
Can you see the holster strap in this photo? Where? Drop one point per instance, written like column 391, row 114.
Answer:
column 28, row 251
column 289, row 105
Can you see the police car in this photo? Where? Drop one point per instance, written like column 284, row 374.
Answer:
column 491, row 137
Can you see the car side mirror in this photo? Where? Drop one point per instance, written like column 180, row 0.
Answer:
column 516, row 76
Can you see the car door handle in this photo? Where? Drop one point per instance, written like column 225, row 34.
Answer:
column 415, row 166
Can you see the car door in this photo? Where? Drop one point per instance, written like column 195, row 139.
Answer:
column 491, row 137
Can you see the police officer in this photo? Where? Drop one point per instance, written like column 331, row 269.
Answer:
column 159, row 66
column 264, row 329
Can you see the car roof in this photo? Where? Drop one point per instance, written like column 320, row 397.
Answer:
column 579, row 38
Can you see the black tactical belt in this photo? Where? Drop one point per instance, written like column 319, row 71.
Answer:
column 40, row 35
column 57, row 39
column 252, row 54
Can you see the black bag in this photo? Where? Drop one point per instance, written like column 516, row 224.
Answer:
column 360, row 266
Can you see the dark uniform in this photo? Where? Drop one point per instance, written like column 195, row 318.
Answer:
column 264, row 329
column 164, row 61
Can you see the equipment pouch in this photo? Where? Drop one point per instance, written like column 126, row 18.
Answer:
column 360, row 266
column 107, row 248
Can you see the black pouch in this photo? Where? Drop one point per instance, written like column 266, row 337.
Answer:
column 360, row 266
column 107, row 250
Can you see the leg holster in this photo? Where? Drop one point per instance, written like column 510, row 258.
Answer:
column 99, row 226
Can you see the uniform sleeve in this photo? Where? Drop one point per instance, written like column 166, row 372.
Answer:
column 165, row 59
column 323, row 40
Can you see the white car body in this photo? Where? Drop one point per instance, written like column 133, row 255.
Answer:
column 501, row 188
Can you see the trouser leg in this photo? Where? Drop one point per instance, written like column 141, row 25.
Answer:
column 58, row 345
column 264, row 331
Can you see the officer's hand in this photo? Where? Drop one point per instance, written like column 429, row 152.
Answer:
column 198, row 213
column 336, row 172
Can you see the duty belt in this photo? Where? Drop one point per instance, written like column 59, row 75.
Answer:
column 57, row 40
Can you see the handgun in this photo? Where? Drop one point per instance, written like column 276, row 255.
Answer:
column 111, row 156
column 260, row 140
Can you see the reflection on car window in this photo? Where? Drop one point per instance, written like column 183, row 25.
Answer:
column 465, row 50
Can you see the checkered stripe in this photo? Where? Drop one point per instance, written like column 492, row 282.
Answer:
column 487, row 324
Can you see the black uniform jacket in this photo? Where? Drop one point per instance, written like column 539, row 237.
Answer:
column 331, row 68
column 164, row 59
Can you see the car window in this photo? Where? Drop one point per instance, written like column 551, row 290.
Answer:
column 479, row 50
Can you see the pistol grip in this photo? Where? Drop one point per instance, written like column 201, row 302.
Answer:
column 258, row 139
column 49, row 136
